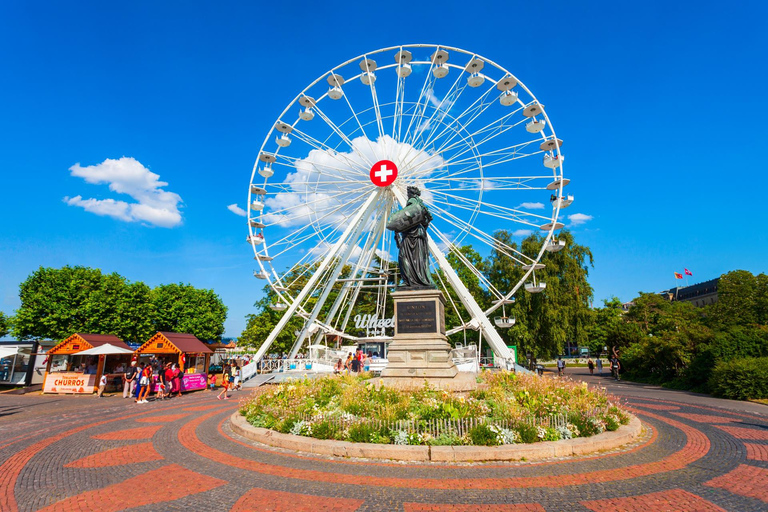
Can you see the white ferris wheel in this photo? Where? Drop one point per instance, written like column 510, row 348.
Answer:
column 336, row 164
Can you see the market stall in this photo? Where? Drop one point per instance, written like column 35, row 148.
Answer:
column 190, row 354
column 70, row 370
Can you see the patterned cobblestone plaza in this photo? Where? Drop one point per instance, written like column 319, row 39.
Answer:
column 83, row 453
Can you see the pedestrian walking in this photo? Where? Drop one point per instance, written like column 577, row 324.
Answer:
column 560, row 366
column 591, row 366
column 599, row 366
column 224, row 383
column 615, row 368
column 237, row 377
column 102, row 384
column 146, row 384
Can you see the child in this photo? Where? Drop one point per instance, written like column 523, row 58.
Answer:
column 211, row 381
column 102, row 384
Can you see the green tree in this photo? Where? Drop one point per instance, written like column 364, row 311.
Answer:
column 560, row 314
column 605, row 325
column 5, row 324
column 184, row 308
column 55, row 302
column 737, row 299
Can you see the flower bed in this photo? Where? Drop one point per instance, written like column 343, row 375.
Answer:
column 505, row 409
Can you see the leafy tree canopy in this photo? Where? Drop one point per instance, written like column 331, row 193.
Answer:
column 55, row 303
column 184, row 308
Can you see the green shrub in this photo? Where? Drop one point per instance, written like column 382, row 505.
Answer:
column 741, row 379
column 361, row 432
column 612, row 422
column 528, row 433
column 286, row 425
column 482, row 435
column 446, row 439
column 325, row 430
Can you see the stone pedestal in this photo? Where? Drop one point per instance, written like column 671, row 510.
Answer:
column 419, row 350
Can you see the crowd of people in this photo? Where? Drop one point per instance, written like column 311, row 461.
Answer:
column 141, row 378
column 355, row 363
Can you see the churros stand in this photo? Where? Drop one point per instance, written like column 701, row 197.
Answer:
column 190, row 354
column 67, row 370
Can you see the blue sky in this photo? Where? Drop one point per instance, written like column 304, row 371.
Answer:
column 662, row 107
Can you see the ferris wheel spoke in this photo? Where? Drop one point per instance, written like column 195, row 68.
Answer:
column 507, row 151
column 321, row 199
column 375, row 99
column 491, row 130
column 342, row 135
column 497, row 211
column 443, row 106
column 476, row 112
column 476, row 105
column 480, row 235
column 444, row 289
column 350, row 170
column 429, row 80
column 318, row 231
column 362, row 265
column 467, row 263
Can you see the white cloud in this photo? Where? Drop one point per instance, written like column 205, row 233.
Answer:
column 236, row 210
column 577, row 219
column 532, row 206
column 522, row 232
column 128, row 176
column 308, row 199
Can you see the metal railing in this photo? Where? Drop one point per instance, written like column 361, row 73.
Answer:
column 438, row 427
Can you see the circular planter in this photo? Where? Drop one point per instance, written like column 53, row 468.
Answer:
column 509, row 452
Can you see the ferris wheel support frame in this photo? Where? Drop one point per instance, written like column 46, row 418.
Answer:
column 353, row 239
column 312, row 280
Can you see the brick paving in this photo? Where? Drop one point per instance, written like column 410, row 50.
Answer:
column 82, row 453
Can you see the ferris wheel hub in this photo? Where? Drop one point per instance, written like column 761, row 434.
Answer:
column 383, row 173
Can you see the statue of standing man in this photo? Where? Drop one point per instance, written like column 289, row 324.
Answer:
column 410, row 227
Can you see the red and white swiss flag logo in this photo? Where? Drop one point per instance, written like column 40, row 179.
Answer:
column 383, row 173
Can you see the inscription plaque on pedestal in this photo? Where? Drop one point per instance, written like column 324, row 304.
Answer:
column 416, row 317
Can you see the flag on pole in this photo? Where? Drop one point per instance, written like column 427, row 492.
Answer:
column 688, row 272
column 678, row 275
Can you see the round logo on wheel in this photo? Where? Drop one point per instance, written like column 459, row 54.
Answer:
column 383, row 173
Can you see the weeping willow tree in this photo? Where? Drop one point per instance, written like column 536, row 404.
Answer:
column 559, row 314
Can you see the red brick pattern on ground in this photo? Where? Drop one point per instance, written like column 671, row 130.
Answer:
column 263, row 500
column 135, row 453
column 10, row 469
column 163, row 419
column 757, row 451
column 442, row 507
column 177, row 482
column 744, row 480
column 696, row 447
column 658, row 407
column 130, row 434
column 675, row 500
column 202, row 407
column 745, row 433
column 705, row 418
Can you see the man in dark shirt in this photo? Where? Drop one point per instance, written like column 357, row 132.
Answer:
column 129, row 379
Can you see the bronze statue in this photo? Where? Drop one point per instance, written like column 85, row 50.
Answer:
column 410, row 227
